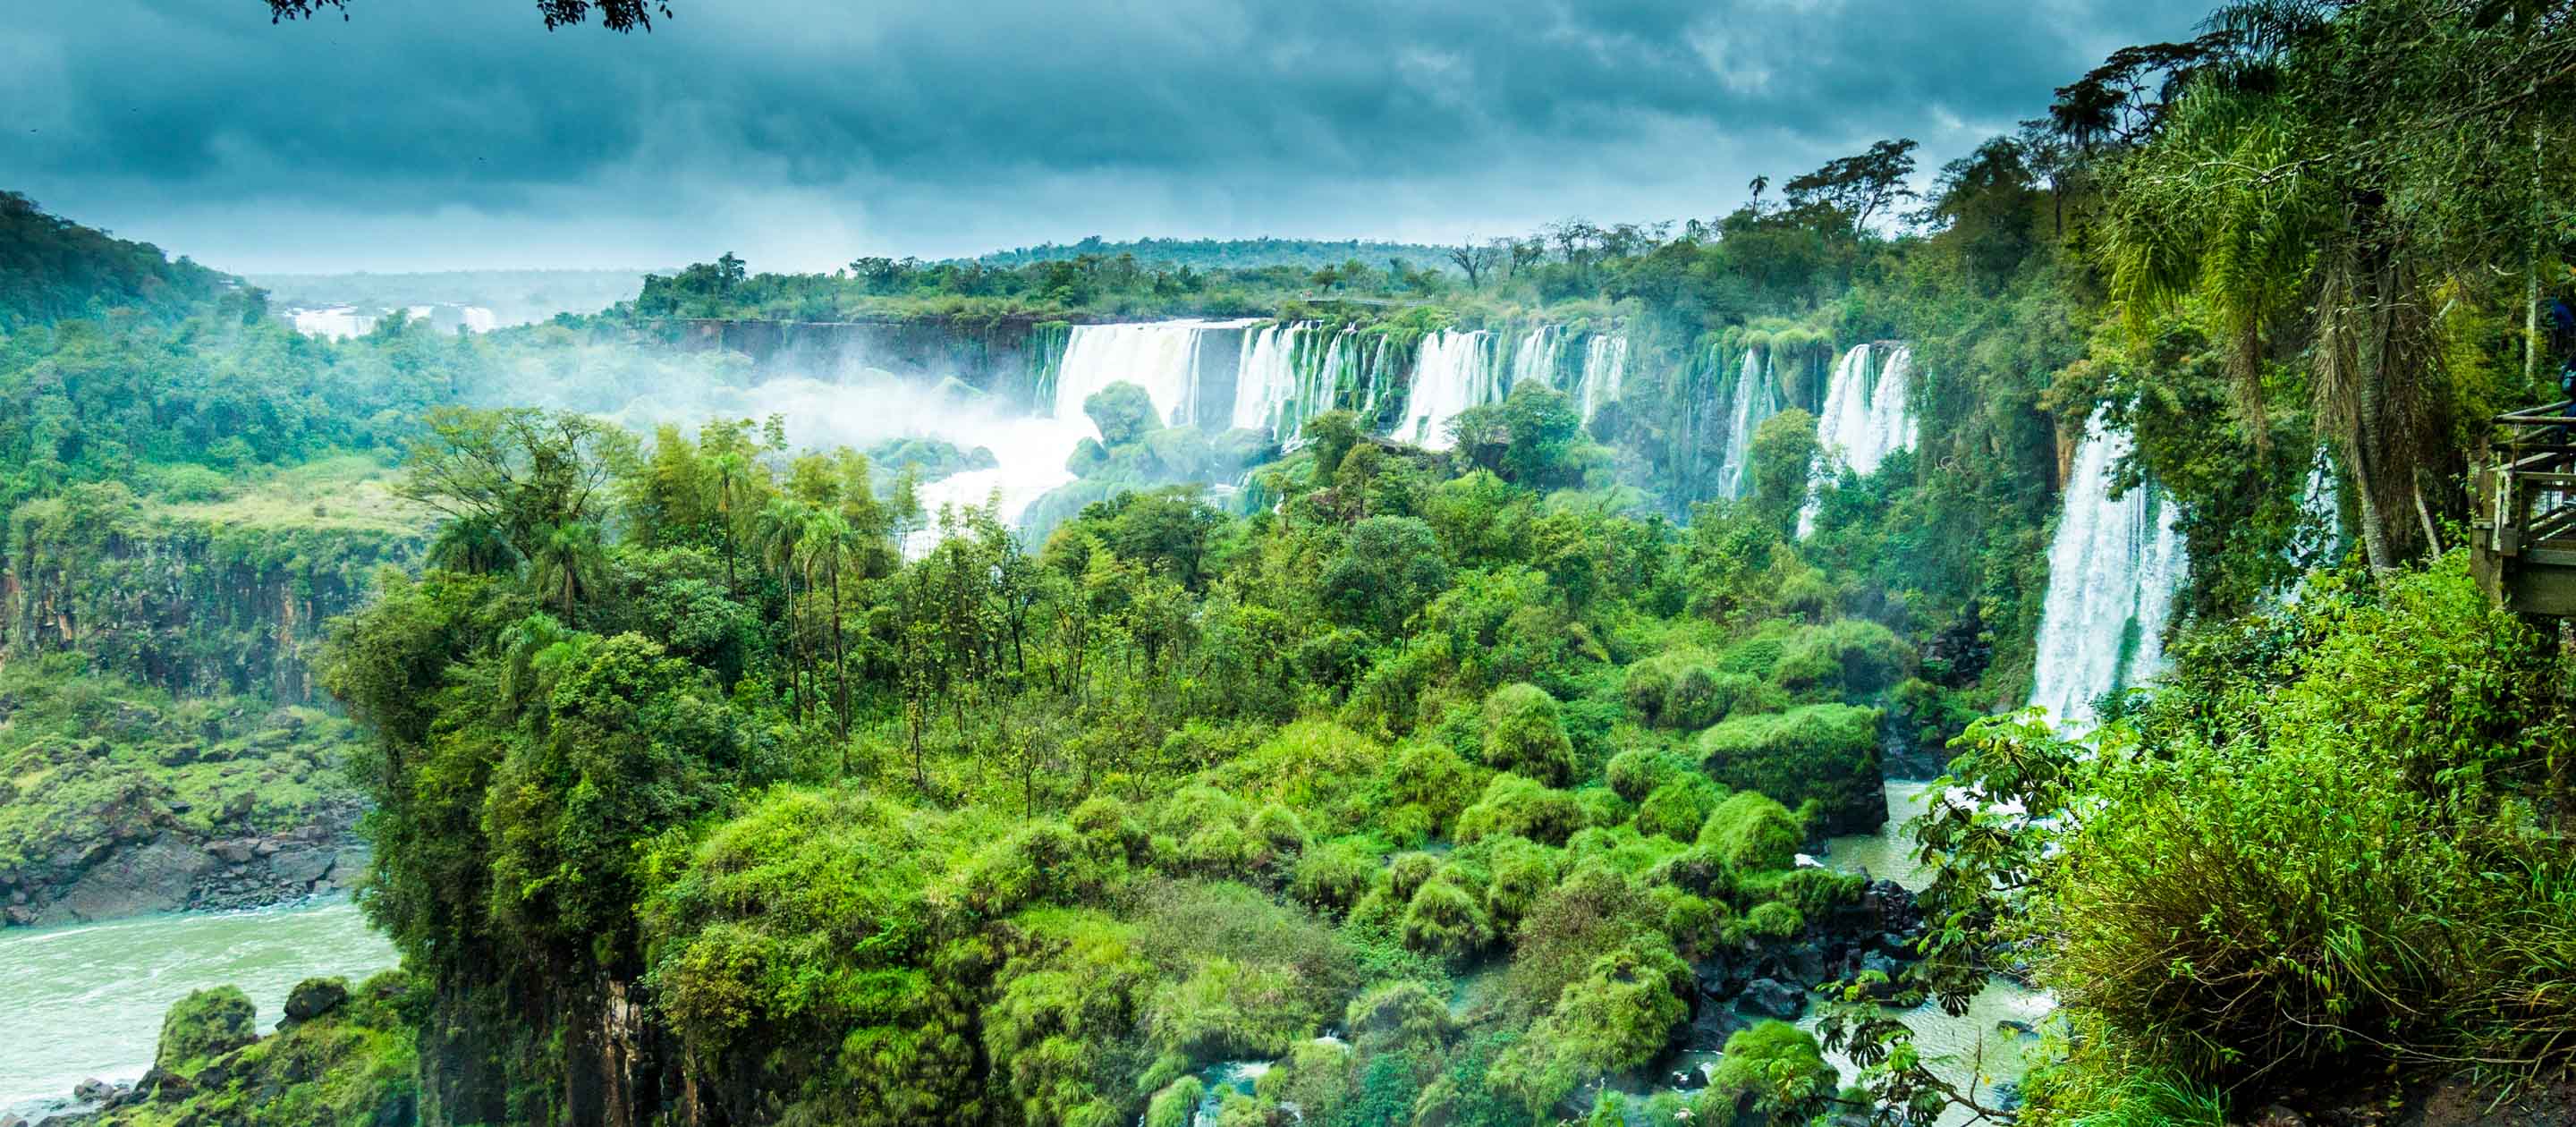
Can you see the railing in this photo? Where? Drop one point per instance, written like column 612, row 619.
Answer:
column 2524, row 546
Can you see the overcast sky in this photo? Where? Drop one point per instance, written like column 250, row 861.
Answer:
column 446, row 134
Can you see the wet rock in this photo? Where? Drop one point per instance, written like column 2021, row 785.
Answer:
column 301, row 866
column 314, row 997
column 132, row 882
column 1771, row 997
column 94, row 1091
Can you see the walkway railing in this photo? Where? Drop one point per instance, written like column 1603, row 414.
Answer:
column 2524, row 546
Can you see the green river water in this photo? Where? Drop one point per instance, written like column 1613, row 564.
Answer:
column 86, row 1001
column 1960, row 1049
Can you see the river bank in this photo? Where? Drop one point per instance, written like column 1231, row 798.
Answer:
column 88, row 999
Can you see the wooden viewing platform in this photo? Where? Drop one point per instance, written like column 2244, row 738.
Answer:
column 2523, row 545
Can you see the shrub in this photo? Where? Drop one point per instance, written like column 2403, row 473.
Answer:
column 1523, row 871
column 1176, row 1103
column 1636, row 772
column 1750, row 833
column 1621, row 1015
column 1677, row 808
column 1520, row 807
column 1778, row 1066
column 1646, row 684
column 1429, row 775
column 1525, row 735
column 1817, row 892
column 1334, row 875
column 1444, row 921
column 1774, row 921
column 1850, row 658
column 1825, row 752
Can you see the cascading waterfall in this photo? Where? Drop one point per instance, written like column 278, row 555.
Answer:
column 2112, row 574
column 1866, row 417
column 1541, row 349
column 1291, row 373
column 1162, row 357
column 1605, row 369
column 1456, row 370
column 1754, row 398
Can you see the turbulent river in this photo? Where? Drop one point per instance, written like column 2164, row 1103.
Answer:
column 86, row 1001
column 1976, row 1045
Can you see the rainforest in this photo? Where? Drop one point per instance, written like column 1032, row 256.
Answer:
column 2066, row 629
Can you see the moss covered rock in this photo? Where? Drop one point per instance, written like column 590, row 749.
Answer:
column 1525, row 734
column 1825, row 753
column 205, row 1024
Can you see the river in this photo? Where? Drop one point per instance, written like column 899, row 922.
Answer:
column 86, row 1001
column 1958, row 1048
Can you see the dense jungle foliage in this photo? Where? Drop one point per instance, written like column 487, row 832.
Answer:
column 1444, row 781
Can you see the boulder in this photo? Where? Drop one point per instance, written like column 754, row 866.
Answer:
column 153, row 878
column 1771, row 997
column 314, row 997
column 205, row 1024
column 93, row 1091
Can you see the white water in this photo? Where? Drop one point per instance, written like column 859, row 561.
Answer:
column 1537, row 356
column 1605, row 371
column 342, row 322
column 1456, row 370
column 2112, row 573
column 1160, row 356
column 1865, row 419
column 86, row 1001
column 1289, row 373
column 1753, row 399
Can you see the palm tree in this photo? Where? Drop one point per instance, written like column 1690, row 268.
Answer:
column 567, row 566
column 476, row 544
column 729, row 467
column 778, row 532
column 830, row 544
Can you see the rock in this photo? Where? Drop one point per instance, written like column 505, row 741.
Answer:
column 1884, row 966
column 94, row 1091
column 205, row 1024
column 300, row 866
column 153, row 878
column 267, row 847
column 1771, row 997
column 314, row 997
column 2279, row 1116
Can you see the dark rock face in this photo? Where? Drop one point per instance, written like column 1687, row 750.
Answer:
column 141, row 862
column 314, row 997
column 1771, row 997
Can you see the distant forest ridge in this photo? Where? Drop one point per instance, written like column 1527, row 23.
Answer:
column 1231, row 254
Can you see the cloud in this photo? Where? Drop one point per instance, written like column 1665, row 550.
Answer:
column 807, row 131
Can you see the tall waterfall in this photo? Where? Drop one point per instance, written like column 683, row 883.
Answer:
column 1605, row 369
column 1161, row 356
column 1541, row 349
column 2112, row 573
column 1753, row 398
column 1456, row 370
column 1866, row 417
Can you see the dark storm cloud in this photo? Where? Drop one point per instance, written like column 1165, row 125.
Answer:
column 464, row 132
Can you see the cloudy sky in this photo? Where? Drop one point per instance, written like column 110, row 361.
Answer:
column 802, row 133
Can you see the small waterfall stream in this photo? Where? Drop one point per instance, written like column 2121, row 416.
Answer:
column 1752, row 399
column 1866, row 417
column 1457, row 369
column 1605, row 371
column 1536, row 358
column 2112, row 573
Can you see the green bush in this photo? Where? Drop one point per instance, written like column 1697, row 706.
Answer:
column 1850, row 658
column 1750, row 833
column 1523, row 871
column 1334, row 875
column 1636, row 772
column 1444, row 921
column 1525, row 735
column 1677, row 808
column 1519, row 807
column 1776, row 1068
column 1824, row 752
column 1774, row 921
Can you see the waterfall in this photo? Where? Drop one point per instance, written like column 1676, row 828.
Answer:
column 1161, row 356
column 2112, row 573
column 1752, row 399
column 1455, row 371
column 1540, row 351
column 1866, row 417
column 1605, row 368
